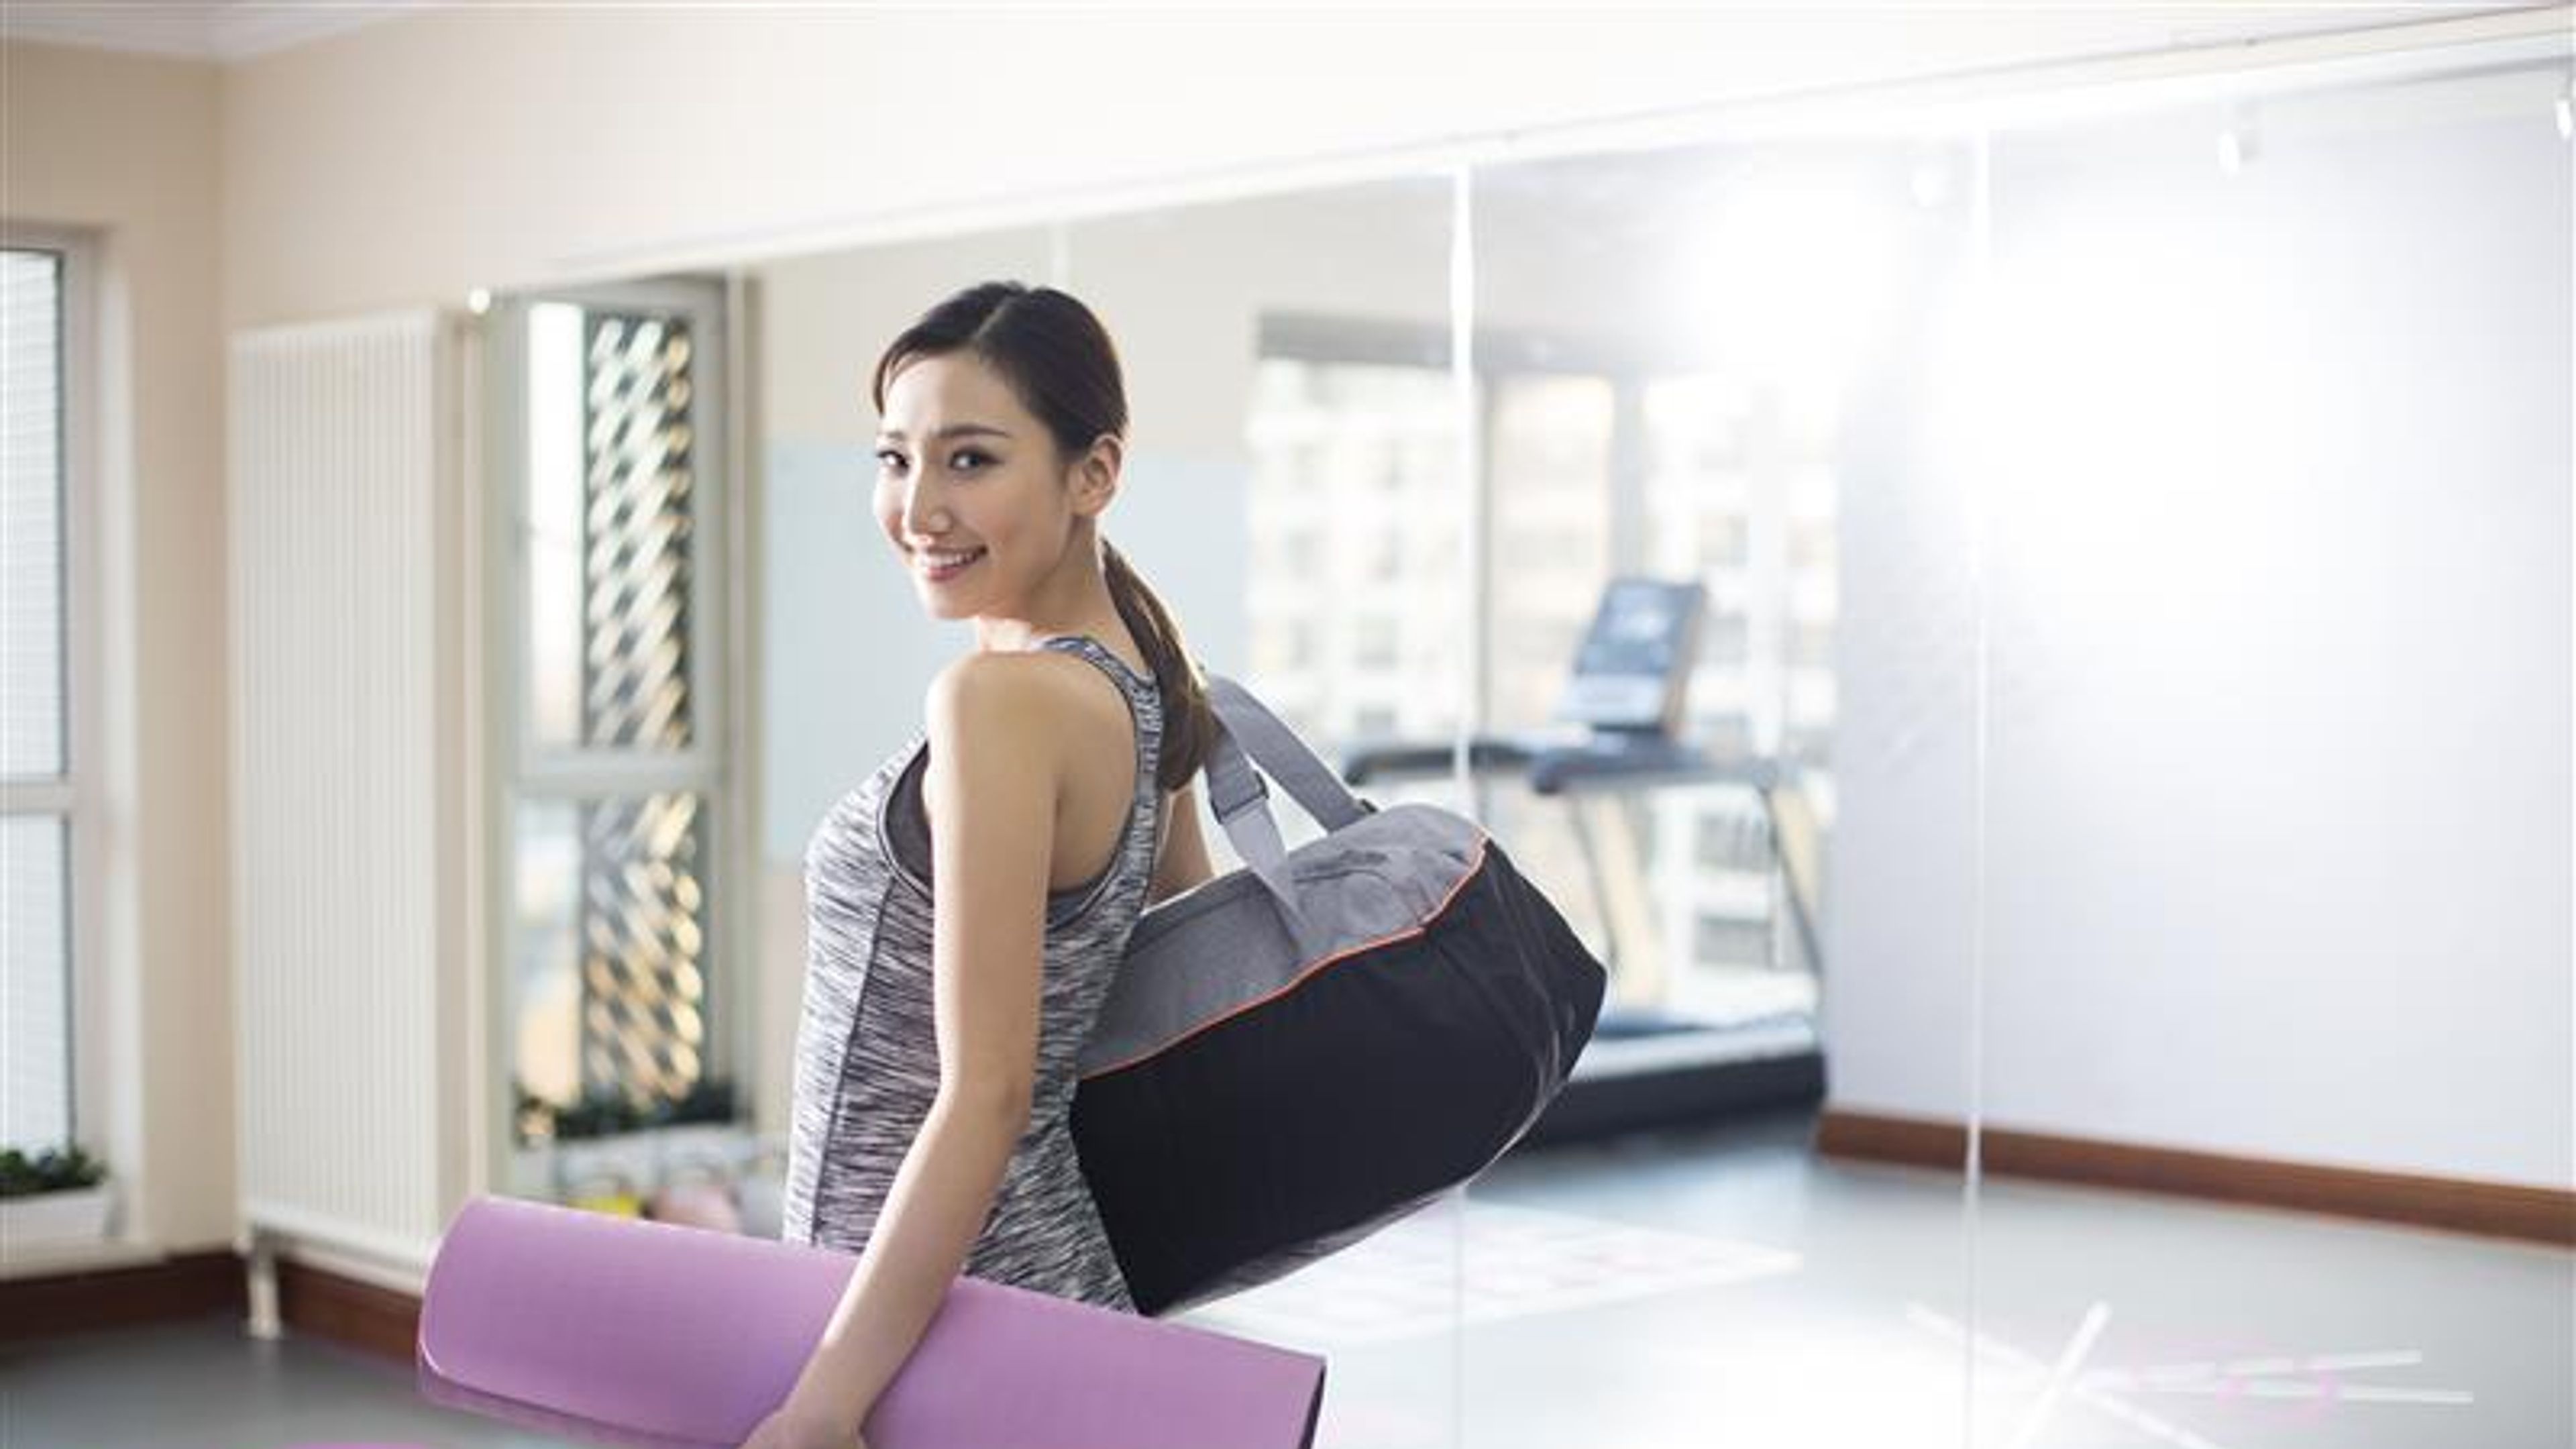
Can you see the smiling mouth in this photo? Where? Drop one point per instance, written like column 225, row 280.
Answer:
column 941, row 565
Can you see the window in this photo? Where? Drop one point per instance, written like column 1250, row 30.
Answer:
column 1719, row 940
column 1357, row 549
column 1355, row 573
column 617, row 813
column 44, row 763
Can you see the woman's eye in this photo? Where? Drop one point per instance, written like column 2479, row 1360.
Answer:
column 892, row 461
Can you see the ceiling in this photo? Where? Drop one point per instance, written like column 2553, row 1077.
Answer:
column 228, row 30
column 217, row 30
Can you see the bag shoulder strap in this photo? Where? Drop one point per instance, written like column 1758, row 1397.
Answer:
column 1249, row 733
column 1284, row 757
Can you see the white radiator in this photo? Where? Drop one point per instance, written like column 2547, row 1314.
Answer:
column 350, row 797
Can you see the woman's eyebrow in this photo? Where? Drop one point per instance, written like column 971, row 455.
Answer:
column 953, row 430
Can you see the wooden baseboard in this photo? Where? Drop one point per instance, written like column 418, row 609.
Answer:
column 310, row 1301
column 189, row 1285
column 2488, row 1209
column 384, row 1322
column 363, row 1316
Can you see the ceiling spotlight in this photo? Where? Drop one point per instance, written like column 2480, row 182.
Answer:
column 479, row 301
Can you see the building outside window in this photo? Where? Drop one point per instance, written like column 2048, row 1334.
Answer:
column 1354, row 469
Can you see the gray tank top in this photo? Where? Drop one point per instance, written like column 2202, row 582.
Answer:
column 867, row 1051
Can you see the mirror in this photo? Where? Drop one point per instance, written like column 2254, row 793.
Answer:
column 1934, row 599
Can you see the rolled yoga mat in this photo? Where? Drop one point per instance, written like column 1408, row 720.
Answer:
column 676, row 1337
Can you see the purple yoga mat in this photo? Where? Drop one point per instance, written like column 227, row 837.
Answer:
column 625, row 1330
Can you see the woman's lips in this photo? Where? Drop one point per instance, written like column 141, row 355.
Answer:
column 940, row 565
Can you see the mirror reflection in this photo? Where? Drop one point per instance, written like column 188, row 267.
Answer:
column 1824, row 550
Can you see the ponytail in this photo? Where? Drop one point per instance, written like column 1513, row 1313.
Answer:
column 1189, row 724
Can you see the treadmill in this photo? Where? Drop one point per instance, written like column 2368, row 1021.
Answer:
column 1618, row 733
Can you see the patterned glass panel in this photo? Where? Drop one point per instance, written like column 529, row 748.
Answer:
column 611, row 982
column 640, row 464
column 642, row 938
column 611, row 523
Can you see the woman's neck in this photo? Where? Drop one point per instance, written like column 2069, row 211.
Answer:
column 1075, row 600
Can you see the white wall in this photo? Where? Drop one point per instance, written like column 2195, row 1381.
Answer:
column 2279, row 604
column 473, row 146
column 127, row 148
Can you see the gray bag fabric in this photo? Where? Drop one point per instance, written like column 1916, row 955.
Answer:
column 1299, row 1052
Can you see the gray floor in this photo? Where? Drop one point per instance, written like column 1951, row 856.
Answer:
column 1716, row 1286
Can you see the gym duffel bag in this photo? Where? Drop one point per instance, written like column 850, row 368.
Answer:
column 1302, row 1051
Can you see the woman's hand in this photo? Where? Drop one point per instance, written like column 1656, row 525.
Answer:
column 795, row 1426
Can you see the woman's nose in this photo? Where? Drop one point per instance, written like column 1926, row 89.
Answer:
column 924, row 516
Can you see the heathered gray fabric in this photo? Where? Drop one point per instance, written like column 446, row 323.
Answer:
column 867, row 1052
column 1222, row 948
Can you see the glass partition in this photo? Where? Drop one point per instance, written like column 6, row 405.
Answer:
column 1295, row 492
column 1718, row 575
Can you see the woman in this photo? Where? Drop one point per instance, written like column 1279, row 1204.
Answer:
column 970, row 901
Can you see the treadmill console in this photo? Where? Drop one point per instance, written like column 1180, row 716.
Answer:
column 1633, row 671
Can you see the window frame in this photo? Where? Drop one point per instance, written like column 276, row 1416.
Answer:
column 526, row 771
column 75, row 795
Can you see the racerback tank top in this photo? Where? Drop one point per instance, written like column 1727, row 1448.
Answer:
column 867, row 1052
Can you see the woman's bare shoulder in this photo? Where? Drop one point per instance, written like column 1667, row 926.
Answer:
column 991, row 733
column 1041, row 701
column 993, row 691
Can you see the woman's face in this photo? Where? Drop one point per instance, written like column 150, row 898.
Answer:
column 970, row 489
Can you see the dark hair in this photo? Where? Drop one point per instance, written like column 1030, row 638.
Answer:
column 1055, row 355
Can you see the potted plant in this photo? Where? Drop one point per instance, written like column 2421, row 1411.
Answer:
column 58, row 1196
column 608, row 1135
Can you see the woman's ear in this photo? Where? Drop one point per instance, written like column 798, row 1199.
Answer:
column 1095, row 475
